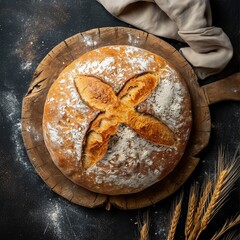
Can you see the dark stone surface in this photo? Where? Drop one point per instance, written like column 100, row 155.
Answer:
column 28, row 208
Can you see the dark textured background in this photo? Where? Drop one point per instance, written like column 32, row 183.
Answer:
column 29, row 29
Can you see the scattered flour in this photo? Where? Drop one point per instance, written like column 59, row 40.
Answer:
column 11, row 109
column 112, row 71
column 167, row 101
column 55, row 216
column 54, row 134
column 33, row 20
column 162, row 226
column 124, row 143
column 96, row 67
column 26, row 65
column 133, row 40
column 72, row 108
column 89, row 41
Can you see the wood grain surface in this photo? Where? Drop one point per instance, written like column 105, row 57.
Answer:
column 47, row 72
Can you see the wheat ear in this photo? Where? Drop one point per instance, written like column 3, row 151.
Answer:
column 227, row 226
column 226, row 176
column 192, row 203
column 175, row 217
column 144, row 232
column 205, row 193
column 143, row 224
column 206, row 190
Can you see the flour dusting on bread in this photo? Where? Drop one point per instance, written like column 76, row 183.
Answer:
column 167, row 100
column 124, row 143
column 131, row 162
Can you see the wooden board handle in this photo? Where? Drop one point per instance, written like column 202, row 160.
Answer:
column 225, row 89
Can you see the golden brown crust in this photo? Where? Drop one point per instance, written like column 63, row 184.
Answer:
column 101, row 96
column 106, row 122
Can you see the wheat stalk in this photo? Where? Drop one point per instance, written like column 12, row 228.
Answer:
column 225, row 176
column 201, row 210
column 207, row 187
column 143, row 224
column 215, row 200
column 206, row 190
column 144, row 232
column 175, row 217
column 228, row 225
column 232, row 235
column 228, row 175
column 192, row 202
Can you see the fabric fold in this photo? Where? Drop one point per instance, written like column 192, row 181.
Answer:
column 188, row 21
column 209, row 50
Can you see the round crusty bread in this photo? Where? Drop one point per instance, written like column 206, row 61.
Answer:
column 117, row 120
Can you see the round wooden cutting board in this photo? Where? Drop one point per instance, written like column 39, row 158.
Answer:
column 48, row 71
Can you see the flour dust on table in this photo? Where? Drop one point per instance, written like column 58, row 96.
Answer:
column 11, row 110
column 32, row 23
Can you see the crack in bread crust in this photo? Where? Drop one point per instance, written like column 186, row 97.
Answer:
column 119, row 109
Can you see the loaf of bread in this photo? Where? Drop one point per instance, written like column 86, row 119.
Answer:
column 117, row 120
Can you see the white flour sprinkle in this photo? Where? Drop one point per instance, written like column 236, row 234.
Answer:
column 111, row 70
column 167, row 101
column 70, row 108
column 89, row 41
column 54, row 134
column 133, row 40
column 128, row 143
column 51, row 100
column 95, row 67
column 26, row 65
column 62, row 81
column 55, row 216
column 11, row 109
column 141, row 62
column 37, row 135
column 162, row 219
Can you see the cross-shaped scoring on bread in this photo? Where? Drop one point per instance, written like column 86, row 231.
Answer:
column 119, row 109
column 117, row 120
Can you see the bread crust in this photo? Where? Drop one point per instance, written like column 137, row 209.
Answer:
column 117, row 120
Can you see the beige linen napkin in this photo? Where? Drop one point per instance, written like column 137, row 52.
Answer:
column 189, row 21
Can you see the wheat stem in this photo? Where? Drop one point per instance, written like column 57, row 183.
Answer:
column 194, row 232
column 232, row 235
column 200, row 208
column 202, row 202
column 228, row 225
